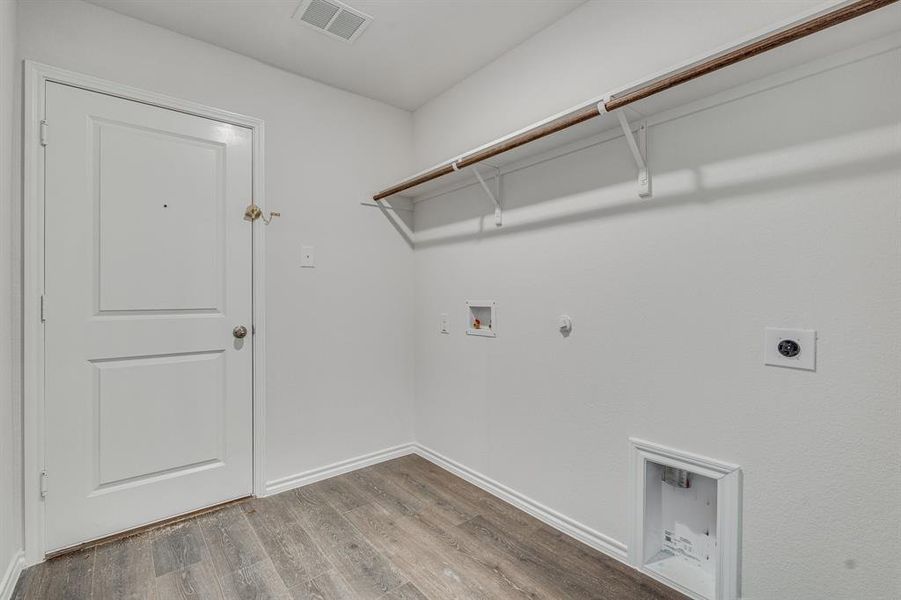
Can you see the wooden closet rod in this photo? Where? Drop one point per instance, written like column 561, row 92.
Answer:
column 749, row 50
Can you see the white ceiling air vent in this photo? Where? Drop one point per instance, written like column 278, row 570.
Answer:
column 332, row 18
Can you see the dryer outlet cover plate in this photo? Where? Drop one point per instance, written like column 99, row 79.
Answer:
column 779, row 351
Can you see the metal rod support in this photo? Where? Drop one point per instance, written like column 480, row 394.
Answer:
column 638, row 148
column 494, row 196
column 630, row 140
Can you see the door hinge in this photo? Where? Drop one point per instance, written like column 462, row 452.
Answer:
column 43, row 133
column 43, row 308
column 43, row 484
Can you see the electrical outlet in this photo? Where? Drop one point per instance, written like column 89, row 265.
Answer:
column 445, row 325
column 792, row 348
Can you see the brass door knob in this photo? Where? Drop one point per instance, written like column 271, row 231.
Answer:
column 239, row 332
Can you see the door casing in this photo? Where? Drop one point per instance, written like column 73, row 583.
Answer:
column 37, row 75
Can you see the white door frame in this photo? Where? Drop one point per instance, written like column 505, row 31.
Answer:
column 36, row 77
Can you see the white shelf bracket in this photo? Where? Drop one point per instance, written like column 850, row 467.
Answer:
column 638, row 147
column 494, row 196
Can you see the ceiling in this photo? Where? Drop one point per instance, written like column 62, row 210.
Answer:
column 411, row 52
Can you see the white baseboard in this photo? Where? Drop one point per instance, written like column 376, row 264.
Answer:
column 583, row 533
column 290, row 482
column 11, row 576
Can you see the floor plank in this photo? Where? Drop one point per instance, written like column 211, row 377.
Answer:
column 455, row 509
column 435, row 557
column 553, row 582
column 295, row 555
column 406, row 592
column 124, row 570
column 383, row 491
column 496, row 571
column 571, row 556
column 196, row 581
column 231, row 540
column 22, row 585
column 367, row 571
column 465, row 491
column 259, row 581
column 405, row 529
column 328, row 586
column 440, row 572
column 176, row 547
column 69, row 577
column 341, row 492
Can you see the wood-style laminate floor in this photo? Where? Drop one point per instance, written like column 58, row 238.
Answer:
column 401, row 530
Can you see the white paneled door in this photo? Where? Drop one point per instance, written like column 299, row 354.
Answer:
column 148, row 384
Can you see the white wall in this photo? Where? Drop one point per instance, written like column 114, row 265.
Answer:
column 779, row 209
column 10, row 408
column 760, row 217
column 340, row 366
column 600, row 46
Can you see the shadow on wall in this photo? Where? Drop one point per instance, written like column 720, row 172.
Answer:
column 570, row 203
column 789, row 137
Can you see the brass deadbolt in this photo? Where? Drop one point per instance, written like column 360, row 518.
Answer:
column 253, row 213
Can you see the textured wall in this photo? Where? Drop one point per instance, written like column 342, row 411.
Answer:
column 779, row 209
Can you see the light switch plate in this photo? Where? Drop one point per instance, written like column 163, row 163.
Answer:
column 802, row 356
column 307, row 257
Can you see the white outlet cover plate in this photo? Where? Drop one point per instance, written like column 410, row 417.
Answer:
column 806, row 338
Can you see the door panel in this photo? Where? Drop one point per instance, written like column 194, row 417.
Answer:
column 140, row 207
column 148, row 396
column 144, row 403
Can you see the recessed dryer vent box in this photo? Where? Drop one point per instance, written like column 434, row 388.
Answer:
column 481, row 319
column 686, row 521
